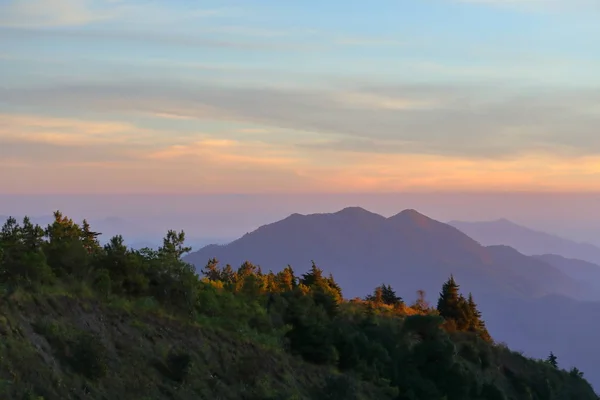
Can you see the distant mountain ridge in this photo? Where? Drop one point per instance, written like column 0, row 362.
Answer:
column 353, row 241
column 582, row 271
column 526, row 240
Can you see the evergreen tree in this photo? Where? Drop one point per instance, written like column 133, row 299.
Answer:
column 22, row 260
column 552, row 360
column 476, row 323
column 377, row 296
column 286, row 280
column 64, row 249
column 449, row 302
column 211, row 271
column 389, row 296
column 89, row 239
column 312, row 277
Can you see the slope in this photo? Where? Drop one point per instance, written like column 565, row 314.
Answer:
column 526, row 240
column 410, row 251
column 582, row 271
column 120, row 324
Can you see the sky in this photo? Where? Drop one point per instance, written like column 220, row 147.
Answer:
column 255, row 97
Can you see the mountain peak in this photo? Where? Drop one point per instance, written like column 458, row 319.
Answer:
column 412, row 216
column 353, row 211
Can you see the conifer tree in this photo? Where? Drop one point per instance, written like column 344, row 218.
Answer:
column 552, row 360
column 286, row 279
column 89, row 238
column 476, row 323
column 389, row 296
column 211, row 271
column 313, row 277
column 449, row 302
column 377, row 296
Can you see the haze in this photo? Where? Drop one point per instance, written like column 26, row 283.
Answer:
column 221, row 218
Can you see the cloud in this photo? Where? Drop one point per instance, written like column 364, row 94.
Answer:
column 169, row 37
column 49, row 13
column 473, row 122
column 220, row 152
column 121, row 157
column 66, row 132
column 70, row 13
column 541, row 5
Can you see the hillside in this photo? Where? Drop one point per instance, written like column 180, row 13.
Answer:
column 79, row 320
column 411, row 251
column 526, row 240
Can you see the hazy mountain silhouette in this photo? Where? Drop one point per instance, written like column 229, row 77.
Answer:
column 582, row 271
column 526, row 240
column 410, row 250
column 527, row 301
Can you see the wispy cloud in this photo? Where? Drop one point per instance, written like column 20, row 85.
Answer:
column 49, row 13
column 118, row 161
column 66, row 132
column 541, row 5
column 476, row 122
column 67, row 13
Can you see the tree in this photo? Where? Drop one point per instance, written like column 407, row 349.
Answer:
column 89, row 239
column 552, row 360
column 389, row 296
column 65, row 250
column 576, row 372
column 449, row 302
column 421, row 304
column 126, row 268
column 286, row 280
column 377, row 296
column 211, row 271
column 22, row 260
column 476, row 323
column 313, row 277
column 384, row 294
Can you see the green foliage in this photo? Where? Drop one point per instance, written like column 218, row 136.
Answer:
column 110, row 312
column 461, row 314
column 552, row 360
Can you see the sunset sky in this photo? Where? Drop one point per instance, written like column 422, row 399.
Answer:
column 141, row 96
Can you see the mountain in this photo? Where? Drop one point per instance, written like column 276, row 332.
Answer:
column 582, row 271
column 362, row 249
column 528, row 302
column 526, row 240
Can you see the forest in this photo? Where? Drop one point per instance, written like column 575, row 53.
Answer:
column 83, row 320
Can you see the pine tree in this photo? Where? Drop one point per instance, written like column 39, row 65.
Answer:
column 377, row 296
column 389, row 296
column 313, row 277
column 449, row 302
column 552, row 360
column 476, row 323
column 286, row 279
column 89, row 238
column 211, row 271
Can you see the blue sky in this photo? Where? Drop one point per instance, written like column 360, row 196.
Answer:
column 271, row 96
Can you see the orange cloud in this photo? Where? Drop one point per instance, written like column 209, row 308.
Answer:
column 66, row 132
column 158, row 161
